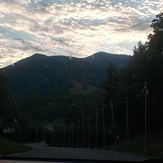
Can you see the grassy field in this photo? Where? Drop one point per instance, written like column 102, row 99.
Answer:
column 10, row 147
column 136, row 146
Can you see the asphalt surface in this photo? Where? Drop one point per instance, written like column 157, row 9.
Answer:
column 40, row 150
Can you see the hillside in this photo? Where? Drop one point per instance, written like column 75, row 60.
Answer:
column 10, row 147
column 44, row 88
column 42, row 73
column 103, row 60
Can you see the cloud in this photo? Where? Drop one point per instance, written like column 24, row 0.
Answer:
column 76, row 27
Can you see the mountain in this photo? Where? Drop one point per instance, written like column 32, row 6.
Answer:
column 41, row 73
column 103, row 60
column 49, row 88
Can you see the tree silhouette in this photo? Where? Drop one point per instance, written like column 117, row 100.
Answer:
column 7, row 106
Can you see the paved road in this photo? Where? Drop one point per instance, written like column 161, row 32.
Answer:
column 42, row 151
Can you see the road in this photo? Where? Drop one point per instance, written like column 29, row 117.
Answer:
column 42, row 151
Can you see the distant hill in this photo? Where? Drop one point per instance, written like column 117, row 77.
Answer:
column 103, row 60
column 44, row 88
column 41, row 73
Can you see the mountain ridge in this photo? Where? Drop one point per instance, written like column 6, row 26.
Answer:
column 41, row 73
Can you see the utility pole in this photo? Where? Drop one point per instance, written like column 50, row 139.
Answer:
column 72, row 142
column 127, row 119
column 69, row 140
column 115, row 146
column 96, row 127
column 145, row 124
column 77, row 133
column 103, row 124
column 83, row 133
column 63, row 136
column 89, row 130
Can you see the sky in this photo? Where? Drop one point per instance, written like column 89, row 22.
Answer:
column 76, row 28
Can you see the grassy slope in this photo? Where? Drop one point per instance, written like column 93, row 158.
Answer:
column 136, row 145
column 10, row 147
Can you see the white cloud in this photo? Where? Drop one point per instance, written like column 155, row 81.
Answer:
column 91, row 1
column 76, row 27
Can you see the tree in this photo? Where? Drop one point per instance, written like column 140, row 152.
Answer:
column 7, row 106
column 156, row 39
column 147, row 63
column 110, row 84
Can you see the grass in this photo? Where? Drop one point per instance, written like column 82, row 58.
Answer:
column 10, row 147
column 136, row 146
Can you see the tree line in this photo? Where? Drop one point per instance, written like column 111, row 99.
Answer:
column 141, row 84
column 144, row 70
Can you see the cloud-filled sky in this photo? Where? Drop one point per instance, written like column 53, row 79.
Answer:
column 73, row 27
